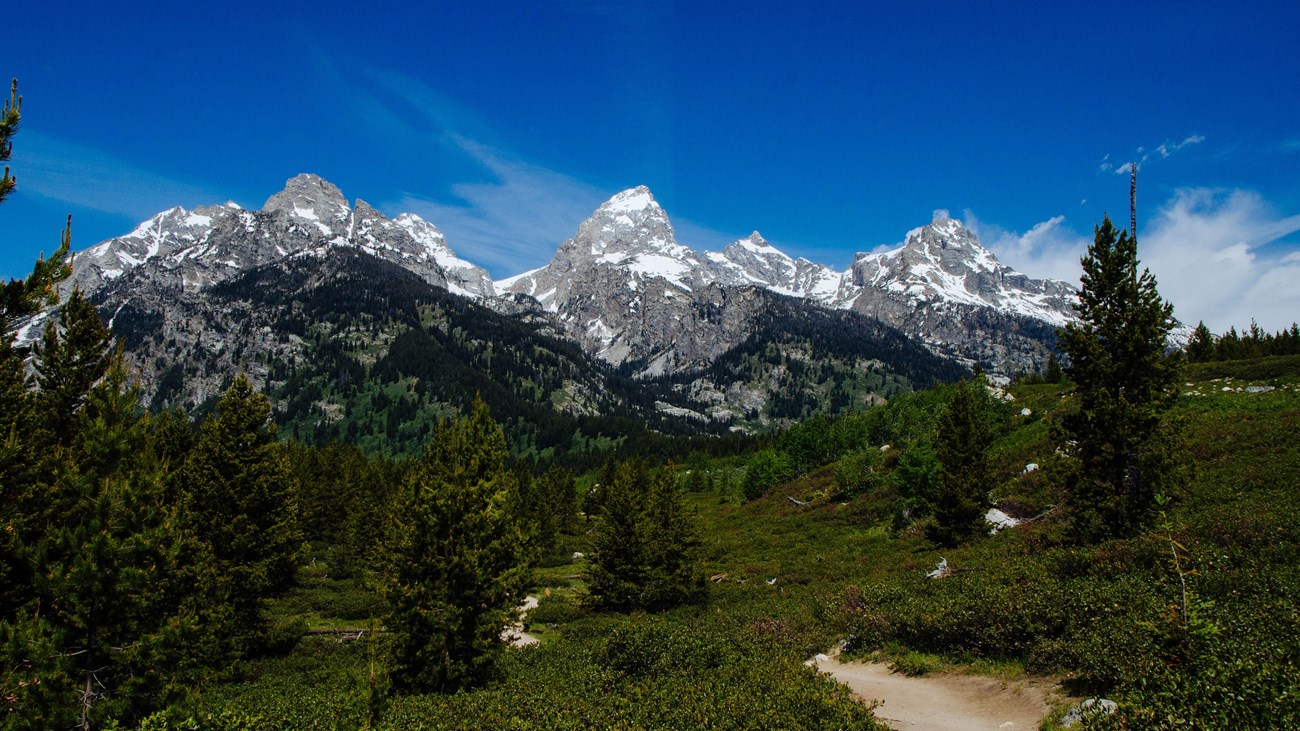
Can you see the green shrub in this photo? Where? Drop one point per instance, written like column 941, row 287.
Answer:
column 766, row 469
column 859, row 472
column 556, row 609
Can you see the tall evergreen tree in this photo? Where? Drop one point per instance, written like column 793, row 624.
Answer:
column 95, row 547
column 1125, row 384
column 243, row 499
column 645, row 552
column 73, row 355
column 19, row 467
column 9, row 118
column 457, row 559
column 676, row 575
column 965, row 473
column 1200, row 347
column 617, row 567
column 550, row 504
column 105, row 558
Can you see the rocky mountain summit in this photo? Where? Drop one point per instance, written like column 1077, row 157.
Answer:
column 943, row 287
column 627, row 292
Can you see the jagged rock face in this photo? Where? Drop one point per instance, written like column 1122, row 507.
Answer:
column 945, row 263
column 188, row 251
column 629, row 293
column 754, row 261
column 158, row 279
column 623, row 288
column 943, row 287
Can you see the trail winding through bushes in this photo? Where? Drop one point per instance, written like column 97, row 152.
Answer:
column 944, row 702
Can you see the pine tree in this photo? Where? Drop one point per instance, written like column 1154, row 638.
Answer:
column 1125, row 383
column 1053, row 373
column 550, row 504
column 1228, row 347
column 1200, row 347
column 104, row 560
column 19, row 469
column 965, row 473
column 9, row 118
column 99, row 545
column 645, row 553
column 617, row 565
column 676, row 576
column 73, row 355
column 38, row 430
column 458, row 565
column 243, row 500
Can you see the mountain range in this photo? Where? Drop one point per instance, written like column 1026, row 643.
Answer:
column 310, row 290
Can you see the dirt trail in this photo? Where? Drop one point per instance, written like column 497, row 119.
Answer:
column 944, row 702
column 514, row 633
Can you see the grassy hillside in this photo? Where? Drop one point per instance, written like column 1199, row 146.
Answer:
column 1194, row 624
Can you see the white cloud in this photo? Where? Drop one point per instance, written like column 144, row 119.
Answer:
column 1048, row 249
column 1211, row 256
column 513, row 223
column 1166, row 148
column 84, row 176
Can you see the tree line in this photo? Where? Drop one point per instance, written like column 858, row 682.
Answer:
column 1252, row 342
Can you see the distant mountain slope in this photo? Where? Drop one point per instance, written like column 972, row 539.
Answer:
column 353, row 347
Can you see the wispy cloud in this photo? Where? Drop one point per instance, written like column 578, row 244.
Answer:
column 1143, row 154
column 512, row 223
column 1047, row 249
column 514, row 216
column 84, row 176
column 1211, row 253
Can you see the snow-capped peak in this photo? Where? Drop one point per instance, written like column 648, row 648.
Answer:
column 944, row 261
column 756, row 243
column 313, row 201
column 632, row 200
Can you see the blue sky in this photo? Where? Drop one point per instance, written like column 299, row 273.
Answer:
column 831, row 129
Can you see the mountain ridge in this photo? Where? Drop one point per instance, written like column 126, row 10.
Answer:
column 744, row 338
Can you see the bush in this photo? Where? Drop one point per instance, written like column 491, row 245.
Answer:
column 859, row 472
column 556, row 609
column 766, row 469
